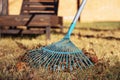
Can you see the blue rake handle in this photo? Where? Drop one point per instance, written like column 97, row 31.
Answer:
column 73, row 24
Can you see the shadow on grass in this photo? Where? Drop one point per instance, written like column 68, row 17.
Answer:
column 93, row 36
column 107, row 38
column 25, row 36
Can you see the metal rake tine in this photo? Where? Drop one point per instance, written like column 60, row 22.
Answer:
column 83, row 56
column 78, row 63
column 38, row 57
column 70, row 59
column 87, row 59
column 67, row 61
column 81, row 60
column 54, row 60
column 84, row 59
column 31, row 53
column 59, row 64
column 33, row 62
column 49, row 60
column 32, row 57
column 42, row 61
column 63, row 62
column 57, row 61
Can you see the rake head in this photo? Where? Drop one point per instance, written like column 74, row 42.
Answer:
column 61, row 55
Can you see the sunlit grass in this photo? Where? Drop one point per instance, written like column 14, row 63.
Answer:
column 97, row 25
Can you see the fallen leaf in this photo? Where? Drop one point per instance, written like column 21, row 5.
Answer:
column 21, row 66
column 94, row 58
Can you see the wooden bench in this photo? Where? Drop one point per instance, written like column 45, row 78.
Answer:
column 38, row 17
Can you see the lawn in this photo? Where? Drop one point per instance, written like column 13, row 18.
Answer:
column 101, row 39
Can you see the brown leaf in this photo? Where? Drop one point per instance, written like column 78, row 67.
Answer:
column 21, row 66
column 20, row 45
column 94, row 58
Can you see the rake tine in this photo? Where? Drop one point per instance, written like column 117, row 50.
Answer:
column 70, row 60
column 32, row 56
column 57, row 60
column 60, row 62
column 84, row 59
column 41, row 62
column 36, row 58
column 31, row 53
column 81, row 60
column 39, row 56
column 63, row 62
column 54, row 59
column 49, row 60
column 67, row 60
column 78, row 63
column 87, row 59
column 73, row 62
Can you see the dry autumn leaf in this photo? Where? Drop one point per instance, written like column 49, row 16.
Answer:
column 90, row 53
column 94, row 58
column 21, row 66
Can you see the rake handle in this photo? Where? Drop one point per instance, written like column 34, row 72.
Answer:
column 73, row 24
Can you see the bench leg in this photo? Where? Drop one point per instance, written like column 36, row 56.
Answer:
column 0, row 31
column 48, row 33
column 61, row 29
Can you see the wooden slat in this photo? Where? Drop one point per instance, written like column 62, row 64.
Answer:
column 29, row 20
column 41, row 0
column 40, row 20
column 45, row 7
column 39, row 8
column 40, row 12
column 36, row 12
column 14, row 20
column 39, row 3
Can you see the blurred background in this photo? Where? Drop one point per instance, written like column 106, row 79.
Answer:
column 94, row 11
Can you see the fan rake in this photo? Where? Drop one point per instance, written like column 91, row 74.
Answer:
column 62, row 54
